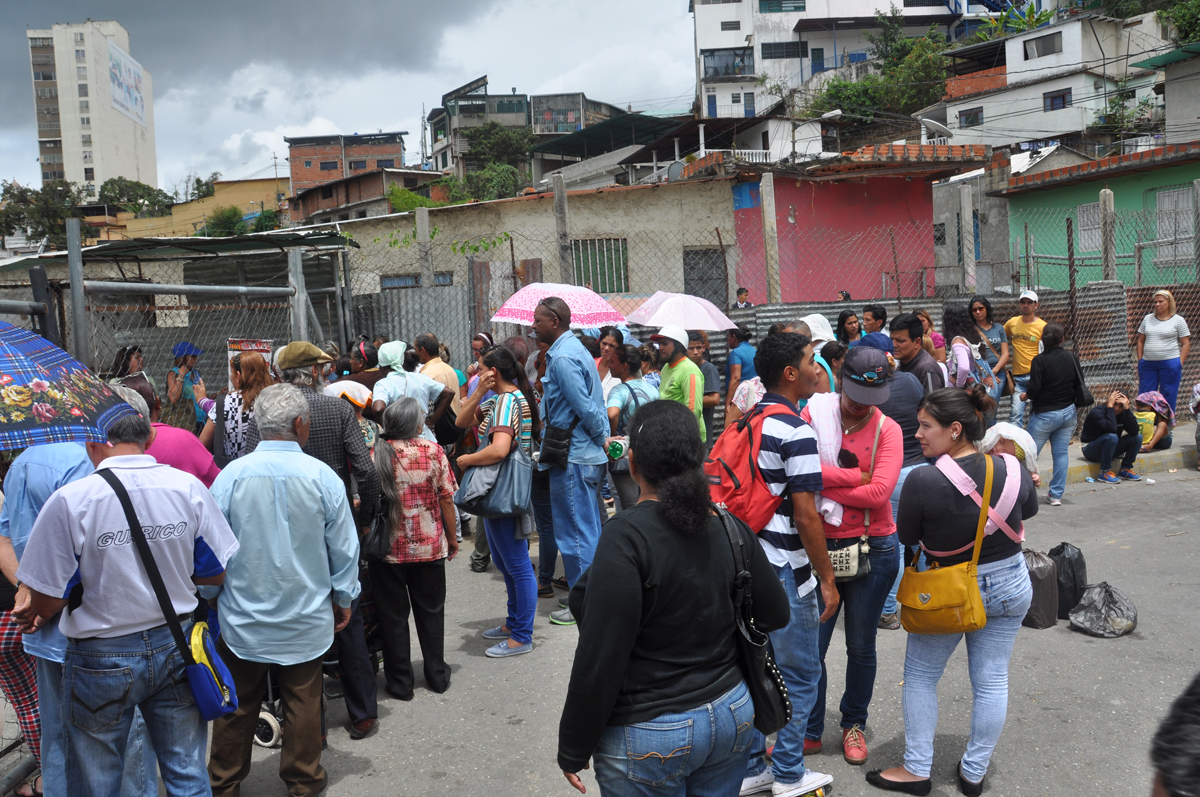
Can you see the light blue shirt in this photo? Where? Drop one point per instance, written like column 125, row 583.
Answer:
column 399, row 384
column 299, row 552
column 34, row 476
column 572, row 391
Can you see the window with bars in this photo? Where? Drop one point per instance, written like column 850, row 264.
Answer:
column 400, row 281
column 443, row 278
column 89, row 174
column 779, row 6
column 734, row 25
column 1088, row 219
column 601, row 263
column 45, row 94
column 771, row 50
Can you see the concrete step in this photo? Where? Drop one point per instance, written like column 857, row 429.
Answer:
column 1180, row 456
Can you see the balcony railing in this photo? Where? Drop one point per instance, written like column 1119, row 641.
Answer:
column 744, row 155
column 732, row 112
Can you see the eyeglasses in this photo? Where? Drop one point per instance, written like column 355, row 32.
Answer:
column 979, row 308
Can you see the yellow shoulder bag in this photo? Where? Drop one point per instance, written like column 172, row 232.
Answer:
column 946, row 600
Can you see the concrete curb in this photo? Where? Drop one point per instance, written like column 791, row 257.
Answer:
column 1181, row 456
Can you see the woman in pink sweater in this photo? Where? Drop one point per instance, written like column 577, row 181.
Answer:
column 861, row 454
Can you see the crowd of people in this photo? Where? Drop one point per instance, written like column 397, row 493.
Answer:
column 876, row 437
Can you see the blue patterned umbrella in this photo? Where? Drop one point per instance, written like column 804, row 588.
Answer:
column 47, row 396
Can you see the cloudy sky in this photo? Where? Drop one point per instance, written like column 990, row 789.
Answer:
column 231, row 79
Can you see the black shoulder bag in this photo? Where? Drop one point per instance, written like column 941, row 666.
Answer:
column 218, row 444
column 1083, row 396
column 772, row 708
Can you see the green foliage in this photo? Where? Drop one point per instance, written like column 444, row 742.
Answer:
column 494, row 143
column 889, row 46
column 494, row 181
column 402, row 200
column 482, row 245
column 224, row 222
column 1013, row 21
column 1184, row 18
column 138, row 198
column 42, row 214
column 204, row 188
column 267, row 220
column 1124, row 112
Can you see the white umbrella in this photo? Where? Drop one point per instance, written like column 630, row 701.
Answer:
column 683, row 310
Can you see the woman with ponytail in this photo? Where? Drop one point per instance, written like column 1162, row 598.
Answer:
column 656, row 629
column 510, row 418
column 935, row 515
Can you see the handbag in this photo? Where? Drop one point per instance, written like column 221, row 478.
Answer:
column 853, row 562
column 209, row 678
column 772, row 708
column 1009, row 388
column 946, row 600
column 1083, row 396
column 556, row 445
column 218, row 442
column 622, row 465
column 377, row 542
column 511, row 483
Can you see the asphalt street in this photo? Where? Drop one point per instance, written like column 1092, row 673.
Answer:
column 1081, row 715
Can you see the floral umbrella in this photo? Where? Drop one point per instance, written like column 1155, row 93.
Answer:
column 588, row 308
column 47, row 396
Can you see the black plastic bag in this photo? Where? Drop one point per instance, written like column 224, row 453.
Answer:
column 1104, row 611
column 1043, row 611
column 1072, row 577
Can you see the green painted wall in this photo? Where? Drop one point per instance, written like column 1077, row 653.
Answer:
column 1136, row 199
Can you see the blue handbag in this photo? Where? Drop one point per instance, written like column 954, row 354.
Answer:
column 511, row 485
column 209, row 678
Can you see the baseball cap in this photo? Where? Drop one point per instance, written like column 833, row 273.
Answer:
column 874, row 340
column 1030, row 295
column 677, row 334
column 185, row 349
column 301, row 354
column 865, row 376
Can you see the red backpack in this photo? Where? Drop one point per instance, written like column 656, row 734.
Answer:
column 732, row 467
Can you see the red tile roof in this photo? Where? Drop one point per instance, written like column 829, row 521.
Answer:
column 1146, row 160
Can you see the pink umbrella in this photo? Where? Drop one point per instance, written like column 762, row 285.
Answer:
column 588, row 308
column 682, row 310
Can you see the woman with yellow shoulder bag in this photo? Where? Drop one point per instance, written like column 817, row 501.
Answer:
column 975, row 585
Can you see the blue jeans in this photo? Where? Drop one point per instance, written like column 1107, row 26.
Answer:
column 798, row 658
column 890, row 606
column 698, row 753
column 512, row 560
column 862, row 602
column 1161, row 375
column 1006, row 597
column 574, row 499
column 1055, row 426
column 543, row 518
column 104, row 680
column 1106, row 446
column 1017, row 415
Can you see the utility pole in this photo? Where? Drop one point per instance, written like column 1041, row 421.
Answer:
column 275, row 161
column 424, row 149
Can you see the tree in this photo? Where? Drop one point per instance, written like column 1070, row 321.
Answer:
column 889, row 46
column 194, row 186
column 267, row 220
column 223, row 222
column 494, row 143
column 143, row 200
column 402, row 200
column 42, row 214
column 494, row 181
column 1184, row 19
column 1124, row 112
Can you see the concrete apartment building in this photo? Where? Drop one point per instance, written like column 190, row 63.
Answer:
column 466, row 107
column 317, row 160
column 94, row 105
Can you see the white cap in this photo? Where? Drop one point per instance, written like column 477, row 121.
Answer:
column 677, row 334
column 1030, row 295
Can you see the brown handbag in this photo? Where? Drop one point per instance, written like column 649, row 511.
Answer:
column 1008, row 388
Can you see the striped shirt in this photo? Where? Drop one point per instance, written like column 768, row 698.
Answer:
column 502, row 412
column 789, row 463
column 1162, row 337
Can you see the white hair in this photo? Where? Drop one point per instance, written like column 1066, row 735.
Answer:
column 276, row 409
column 131, row 428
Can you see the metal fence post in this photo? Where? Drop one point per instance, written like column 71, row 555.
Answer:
column 424, row 248
column 47, row 325
column 1108, row 234
column 80, row 331
column 1071, row 309
column 566, row 263
column 299, row 301
column 347, row 298
column 1195, row 225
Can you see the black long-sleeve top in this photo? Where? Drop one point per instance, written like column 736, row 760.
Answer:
column 656, row 625
column 1104, row 419
column 1052, row 379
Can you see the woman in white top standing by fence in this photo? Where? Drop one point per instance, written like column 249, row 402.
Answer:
column 1163, row 342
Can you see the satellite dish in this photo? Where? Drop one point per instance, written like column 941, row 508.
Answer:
column 674, row 171
column 937, row 127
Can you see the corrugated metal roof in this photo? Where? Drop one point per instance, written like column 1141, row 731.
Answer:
column 1185, row 52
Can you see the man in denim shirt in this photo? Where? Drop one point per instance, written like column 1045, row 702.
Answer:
column 572, row 395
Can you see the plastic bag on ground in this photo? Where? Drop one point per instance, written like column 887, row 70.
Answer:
column 1072, row 577
column 1104, row 611
column 1043, row 611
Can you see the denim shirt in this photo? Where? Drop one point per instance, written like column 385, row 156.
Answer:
column 572, row 390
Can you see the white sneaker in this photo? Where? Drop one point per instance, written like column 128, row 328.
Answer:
column 752, row 784
column 810, row 782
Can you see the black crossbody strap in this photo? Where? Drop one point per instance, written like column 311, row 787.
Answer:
column 147, row 557
column 743, row 582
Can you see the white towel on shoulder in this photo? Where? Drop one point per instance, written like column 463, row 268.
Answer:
column 825, row 411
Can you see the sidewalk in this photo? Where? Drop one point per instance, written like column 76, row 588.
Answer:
column 1180, row 456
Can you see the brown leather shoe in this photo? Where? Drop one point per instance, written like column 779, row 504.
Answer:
column 361, row 730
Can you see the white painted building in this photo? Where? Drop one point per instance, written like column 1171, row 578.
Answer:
column 94, row 105
column 1049, row 84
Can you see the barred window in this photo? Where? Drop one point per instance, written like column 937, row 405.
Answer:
column 734, row 25
column 779, row 6
column 1088, row 217
column 602, row 263
column 400, row 281
column 443, row 278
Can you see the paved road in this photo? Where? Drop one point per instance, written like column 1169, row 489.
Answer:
column 1081, row 712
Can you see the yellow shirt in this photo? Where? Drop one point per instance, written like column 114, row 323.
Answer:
column 1026, row 342
column 439, row 371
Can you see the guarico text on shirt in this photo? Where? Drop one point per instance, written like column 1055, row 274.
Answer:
column 164, row 532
